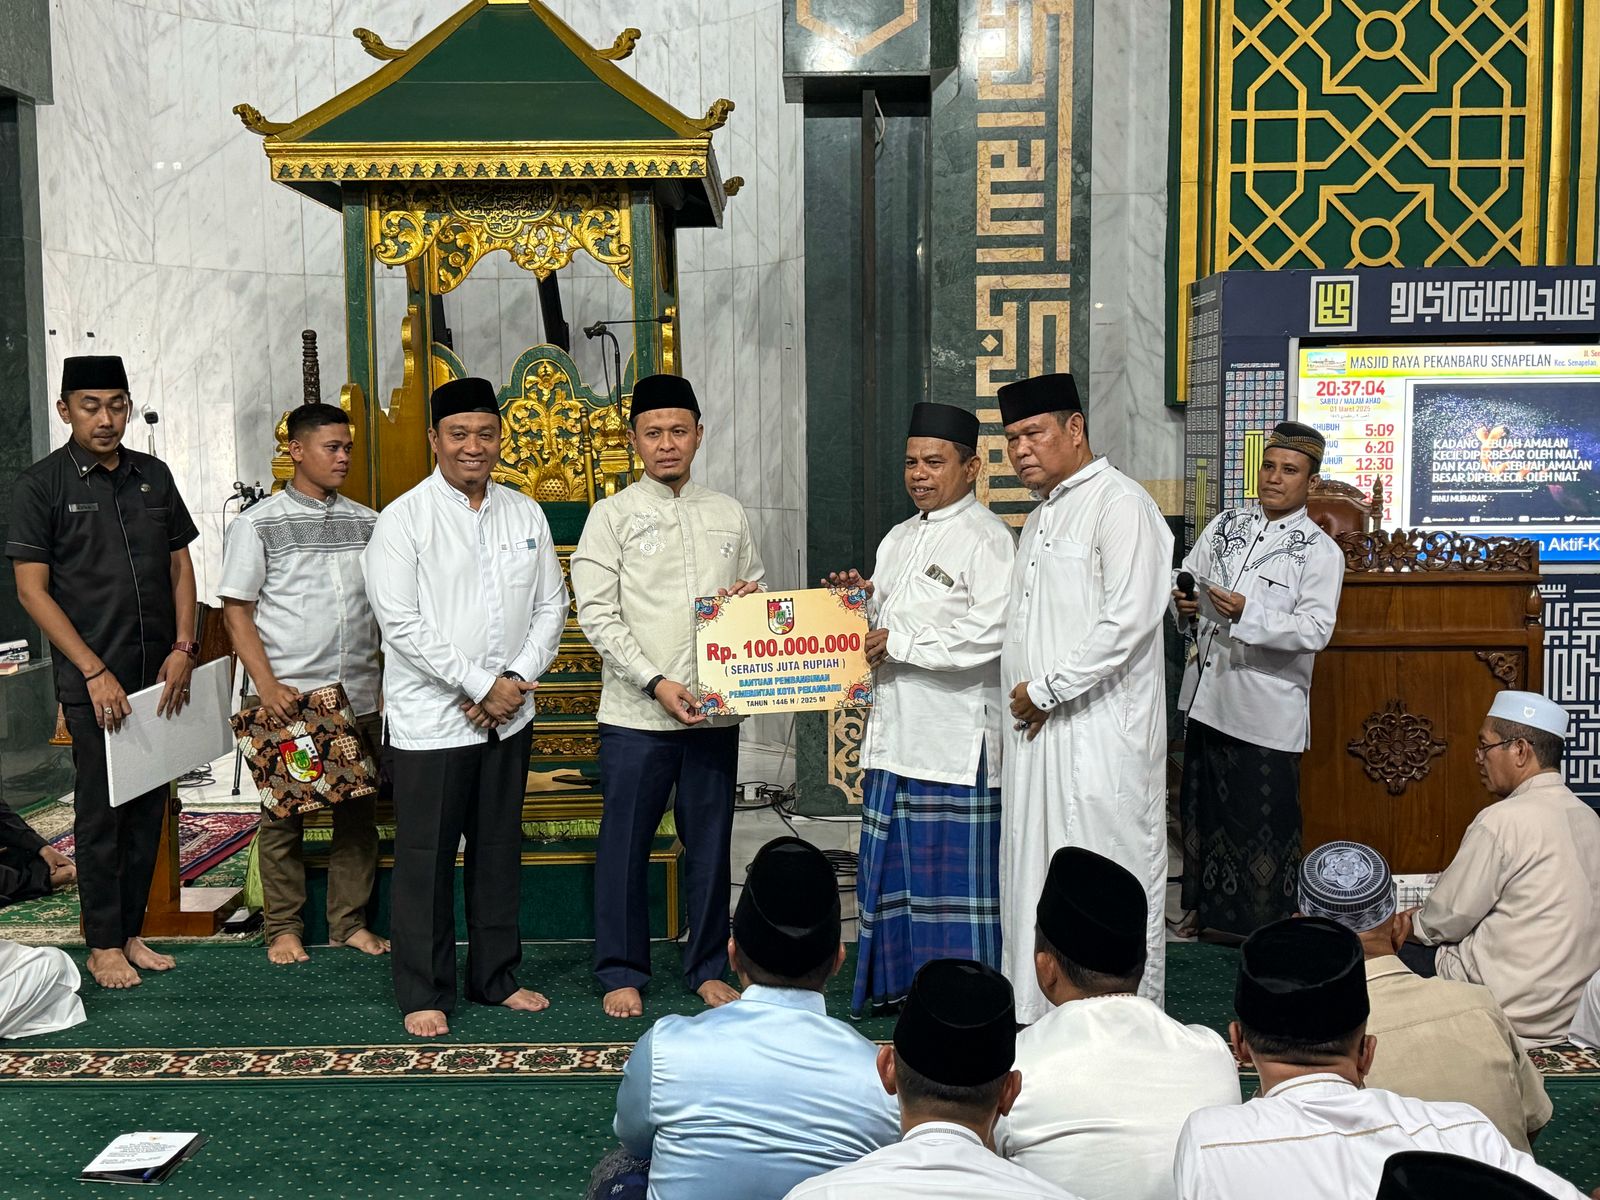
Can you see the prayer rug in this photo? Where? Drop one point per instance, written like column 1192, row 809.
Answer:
column 592, row 1060
column 204, row 840
column 53, row 920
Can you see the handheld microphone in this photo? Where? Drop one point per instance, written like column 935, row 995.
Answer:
column 1186, row 584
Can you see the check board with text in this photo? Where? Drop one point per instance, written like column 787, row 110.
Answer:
column 775, row 652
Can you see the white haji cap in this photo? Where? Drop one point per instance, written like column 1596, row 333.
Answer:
column 1532, row 709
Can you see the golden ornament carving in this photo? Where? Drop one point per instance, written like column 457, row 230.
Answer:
column 622, row 47
column 252, row 120
column 669, row 340
column 580, row 704
column 846, row 726
column 1412, row 550
column 716, row 116
column 294, row 162
column 608, row 438
column 576, row 664
column 282, row 464
column 1504, row 665
column 374, row 45
column 732, row 184
column 1396, row 747
column 541, row 226
column 566, row 746
column 410, row 328
column 543, row 434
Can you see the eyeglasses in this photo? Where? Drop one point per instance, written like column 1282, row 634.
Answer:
column 1483, row 748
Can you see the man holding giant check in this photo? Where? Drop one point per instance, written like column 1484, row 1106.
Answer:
column 646, row 555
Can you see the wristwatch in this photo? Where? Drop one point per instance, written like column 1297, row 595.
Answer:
column 512, row 675
column 192, row 649
column 649, row 689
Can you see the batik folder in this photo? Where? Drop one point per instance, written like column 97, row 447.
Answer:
column 317, row 761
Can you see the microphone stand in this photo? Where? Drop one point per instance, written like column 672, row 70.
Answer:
column 603, row 329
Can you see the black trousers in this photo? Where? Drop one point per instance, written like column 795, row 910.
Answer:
column 116, row 847
column 439, row 796
column 23, row 875
column 638, row 770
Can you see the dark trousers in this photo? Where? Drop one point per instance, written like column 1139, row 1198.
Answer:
column 439, row 796
column 116, row 847
column 23, row 875
column 1423, row 960
column 638, row 770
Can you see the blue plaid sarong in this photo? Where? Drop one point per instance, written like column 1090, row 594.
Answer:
column 928, row 880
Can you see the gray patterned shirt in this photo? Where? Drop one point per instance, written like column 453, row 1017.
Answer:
column 299, row 560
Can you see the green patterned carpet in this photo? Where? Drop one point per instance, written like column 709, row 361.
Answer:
column 366, row 1141
column 307, row 1084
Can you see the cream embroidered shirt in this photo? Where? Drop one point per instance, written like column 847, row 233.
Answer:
column 644, row 558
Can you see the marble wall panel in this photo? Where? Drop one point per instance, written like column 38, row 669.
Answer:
column 1127, row 276
column 166, row 238
column 325, row 314
column 770, row 414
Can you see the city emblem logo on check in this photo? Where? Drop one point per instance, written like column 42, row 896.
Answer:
column 780, row 616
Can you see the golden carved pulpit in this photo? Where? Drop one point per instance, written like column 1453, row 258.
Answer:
column 1431, row 626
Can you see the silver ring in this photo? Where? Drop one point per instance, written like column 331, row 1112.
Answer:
column 106, row 710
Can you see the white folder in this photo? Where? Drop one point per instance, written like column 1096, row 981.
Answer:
column 151, row 750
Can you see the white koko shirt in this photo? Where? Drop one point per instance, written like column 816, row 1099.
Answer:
column 1251, row 678
column 1319, row 1137
column 940, row 587
column 1107, row 1083
column 936, row 1159
column 461, row 596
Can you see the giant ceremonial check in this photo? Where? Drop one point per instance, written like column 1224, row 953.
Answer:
column 782, row 651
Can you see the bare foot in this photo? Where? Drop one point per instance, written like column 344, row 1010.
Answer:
column 716, row 993
column 524, row 1000
column 365, row 941
column 623, row 1002
column 287, row 948
column 428, row 1022
column 111, row 969
column 140, row 955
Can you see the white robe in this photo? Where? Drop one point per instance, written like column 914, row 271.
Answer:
column 1319, row 1137
column 1107, row 1083
column 38, row 990
column 933, row 1160
column 1088, row 592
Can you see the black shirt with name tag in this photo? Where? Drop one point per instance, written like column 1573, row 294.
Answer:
column 108, row 539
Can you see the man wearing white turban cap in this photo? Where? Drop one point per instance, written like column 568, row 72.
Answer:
column 1518, row 909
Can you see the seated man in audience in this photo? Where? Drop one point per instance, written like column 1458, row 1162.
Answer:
column 29, row 865
column 746, row 1100
column 1442, row 1040
column 1316, row 1131
column 38, row 990
column 1518, row 908
column 951, row 1068
column 1108, row 1079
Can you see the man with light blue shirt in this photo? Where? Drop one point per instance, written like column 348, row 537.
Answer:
column 747, row 1100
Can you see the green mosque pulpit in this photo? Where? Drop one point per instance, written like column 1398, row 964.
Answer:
column 502, row 130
